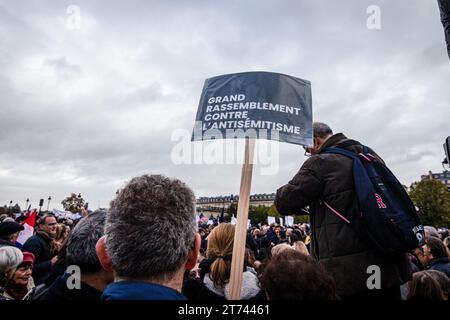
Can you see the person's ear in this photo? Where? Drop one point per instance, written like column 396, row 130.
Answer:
column 316, row 143
column 102, row 254
column 193, row 253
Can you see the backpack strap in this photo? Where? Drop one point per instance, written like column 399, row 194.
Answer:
column 340, row 216
column 337, row 150
column 350, row 154
column 347, row 143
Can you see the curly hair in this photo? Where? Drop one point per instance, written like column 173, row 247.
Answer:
column 291, row 275
column 150, row 227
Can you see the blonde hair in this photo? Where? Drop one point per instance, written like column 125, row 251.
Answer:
column 280, row 248
column 220, row 248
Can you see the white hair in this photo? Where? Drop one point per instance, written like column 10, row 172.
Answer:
column 431, row 232
column 10, row 258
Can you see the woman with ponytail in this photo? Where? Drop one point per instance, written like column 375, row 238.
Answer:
column 215, row 270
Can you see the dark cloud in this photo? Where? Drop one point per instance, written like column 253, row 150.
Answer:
column 85, row 110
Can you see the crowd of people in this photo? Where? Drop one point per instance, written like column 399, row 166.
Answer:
column 149, row 246
column 155, row 252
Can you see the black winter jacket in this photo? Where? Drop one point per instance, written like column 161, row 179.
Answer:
column 334, row 243
column 59, row 291
column 440, row 264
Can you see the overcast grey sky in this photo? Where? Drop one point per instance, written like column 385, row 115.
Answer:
column 84, row 110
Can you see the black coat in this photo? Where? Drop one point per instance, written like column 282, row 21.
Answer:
column 195, row 290
column 335, row 244
column 40, row 247
column 5, row 243
column 444, row 7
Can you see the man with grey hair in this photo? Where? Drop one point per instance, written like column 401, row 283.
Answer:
column 81, row 256
column 329, row 177
column 150, row 239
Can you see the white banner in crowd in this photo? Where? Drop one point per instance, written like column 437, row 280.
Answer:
column 66, row 214
column 289, row 221
column 281, row 221
column 270, row 220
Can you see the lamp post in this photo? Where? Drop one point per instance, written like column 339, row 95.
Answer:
column 41, row 203
column 28, row 200
column 231, row 204
column 48, row 204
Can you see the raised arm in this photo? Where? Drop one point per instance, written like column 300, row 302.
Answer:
column 301, row 190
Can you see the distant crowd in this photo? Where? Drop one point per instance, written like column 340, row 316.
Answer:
column 364, row 241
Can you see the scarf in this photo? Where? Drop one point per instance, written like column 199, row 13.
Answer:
column 55, row 247
column 44, row 235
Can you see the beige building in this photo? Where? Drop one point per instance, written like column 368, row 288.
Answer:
column 214, row 205
column 443, row 177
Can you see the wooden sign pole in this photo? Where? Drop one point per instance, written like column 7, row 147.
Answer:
column 240, row 235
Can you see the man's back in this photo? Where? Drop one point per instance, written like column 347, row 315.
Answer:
column 329, row 177
column 60, row 291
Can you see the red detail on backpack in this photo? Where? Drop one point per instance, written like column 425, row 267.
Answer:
column 380, row 202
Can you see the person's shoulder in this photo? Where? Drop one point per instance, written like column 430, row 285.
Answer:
column 440, row 264
column 34, row 239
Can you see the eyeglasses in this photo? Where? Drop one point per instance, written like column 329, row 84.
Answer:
column 307, row 153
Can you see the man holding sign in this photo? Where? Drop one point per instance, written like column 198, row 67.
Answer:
column 328, row 178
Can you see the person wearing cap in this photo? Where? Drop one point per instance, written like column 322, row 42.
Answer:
column 9, row 231
column 21, row 281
